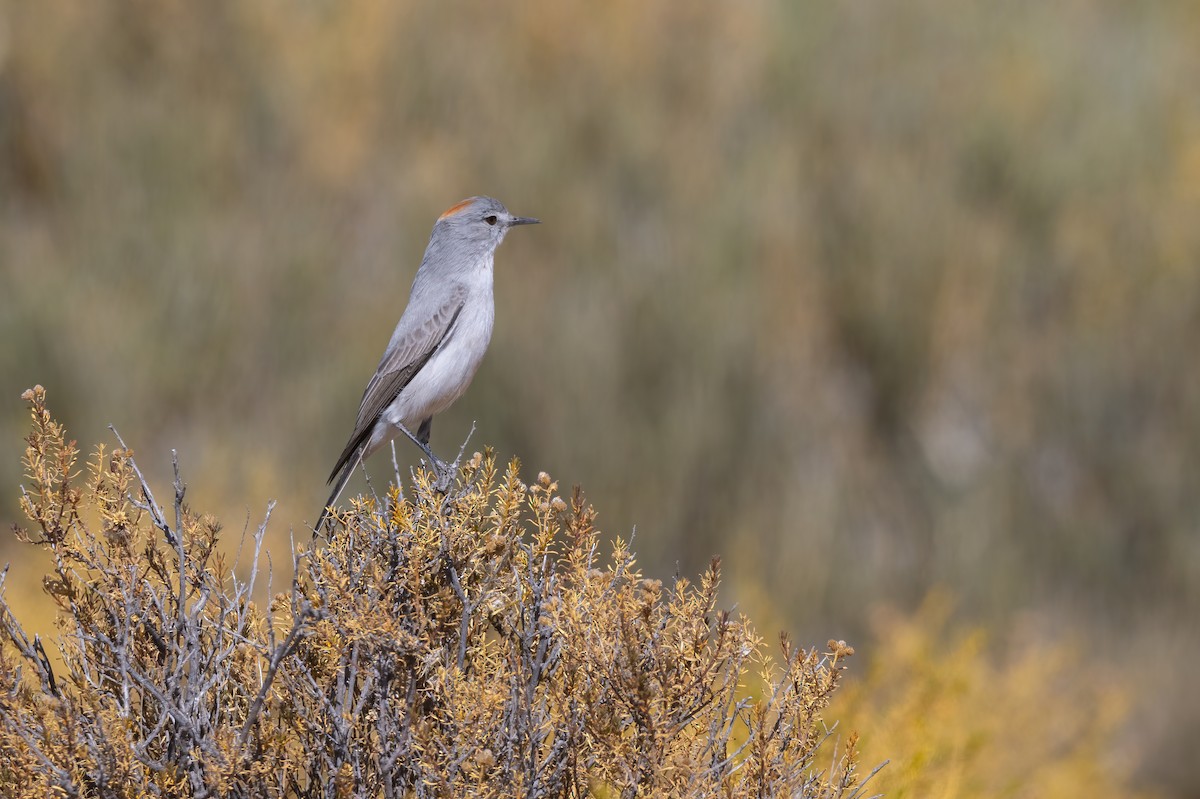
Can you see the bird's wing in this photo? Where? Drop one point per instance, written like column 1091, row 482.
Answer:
column 402, row 360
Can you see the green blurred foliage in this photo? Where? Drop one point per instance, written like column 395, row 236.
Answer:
column 867, row 297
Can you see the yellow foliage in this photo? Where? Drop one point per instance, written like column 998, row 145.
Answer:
column 957, row 721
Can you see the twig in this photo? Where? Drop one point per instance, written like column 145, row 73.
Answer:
column 258, row 541
column 395, row 463
column 863, row 784
column 465, row 626
column 45, row 663
column 282, row 651
column 153, row 507
column 463, row 447
column 181, row 603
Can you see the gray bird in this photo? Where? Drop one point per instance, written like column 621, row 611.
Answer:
column 439, row 341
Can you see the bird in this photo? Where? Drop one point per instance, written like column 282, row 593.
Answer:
column 439, row 341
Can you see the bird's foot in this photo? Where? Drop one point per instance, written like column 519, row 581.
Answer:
column 445, row 474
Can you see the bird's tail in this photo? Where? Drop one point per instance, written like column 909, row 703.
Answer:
column 338, row 486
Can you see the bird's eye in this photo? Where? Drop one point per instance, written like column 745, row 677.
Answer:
column 490, row 219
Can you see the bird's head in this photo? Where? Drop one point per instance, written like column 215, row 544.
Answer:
column 477, row 223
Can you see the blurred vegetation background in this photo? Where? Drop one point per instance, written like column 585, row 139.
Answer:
column 868, row 298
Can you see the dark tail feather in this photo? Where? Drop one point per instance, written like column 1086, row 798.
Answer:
column 338, row 485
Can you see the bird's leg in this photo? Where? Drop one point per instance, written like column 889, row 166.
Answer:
column 440, row 467
column 423, row 434
column 444, row 469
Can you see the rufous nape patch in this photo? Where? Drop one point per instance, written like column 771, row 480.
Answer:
column 455, row 209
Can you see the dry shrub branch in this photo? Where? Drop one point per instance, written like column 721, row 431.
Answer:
column 475, row 643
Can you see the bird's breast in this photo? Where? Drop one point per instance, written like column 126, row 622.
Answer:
column 446, row 375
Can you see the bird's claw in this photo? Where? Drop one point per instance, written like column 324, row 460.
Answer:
column 444, row 473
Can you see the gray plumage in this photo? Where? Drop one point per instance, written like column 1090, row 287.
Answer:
column 440, row 340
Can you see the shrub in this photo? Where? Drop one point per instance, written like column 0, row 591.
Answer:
column 472, row 643
column 962, row 715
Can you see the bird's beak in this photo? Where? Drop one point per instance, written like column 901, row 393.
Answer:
column 524, row 220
